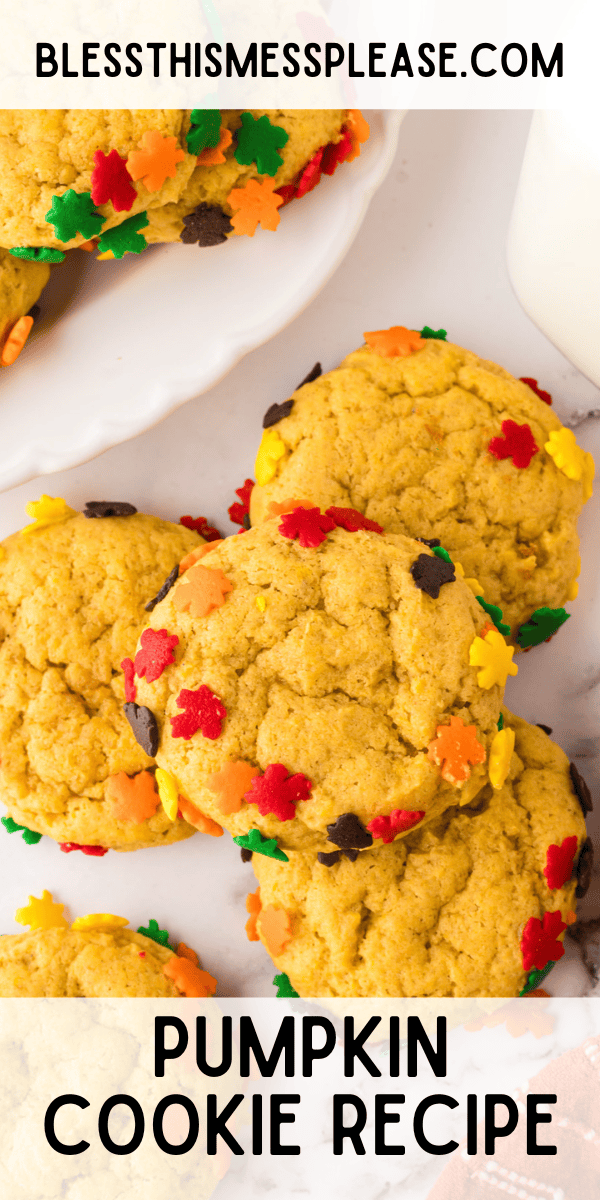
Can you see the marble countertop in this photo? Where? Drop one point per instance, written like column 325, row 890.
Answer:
column 431, row 251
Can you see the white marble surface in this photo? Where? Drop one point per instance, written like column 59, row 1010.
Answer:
column 431, row 250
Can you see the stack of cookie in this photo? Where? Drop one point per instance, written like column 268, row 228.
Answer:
column 329, row 686
column 335, row 700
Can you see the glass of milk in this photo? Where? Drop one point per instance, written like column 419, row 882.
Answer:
column 554, row 235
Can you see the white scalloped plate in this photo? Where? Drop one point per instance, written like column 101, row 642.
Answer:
column 121, row 344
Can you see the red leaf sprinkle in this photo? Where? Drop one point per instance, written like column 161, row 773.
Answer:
column 539, row 944
column 336, row 153
column 128, row 670
column 112, row 181
column 201, row 526
column 203, row 711
column 398, row 821
column 309, row 525
column 517, row 442
column 157, row 652
column 311, row 174
column 352, row 520
column 93, row 851
column 278, row 792
column 239, row 514
column 559, row 862
column 533, row 384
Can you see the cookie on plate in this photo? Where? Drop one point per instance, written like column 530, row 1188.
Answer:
column 73, row 595
column 20, row 286
column 95, row 956
column 74, row 175
column 474, row 904
column 432, row 441
column 328, row 683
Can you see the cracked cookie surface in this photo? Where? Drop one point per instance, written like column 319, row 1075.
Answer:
column 441, row 912
column 72, row 603
column 329, row 663
column 65, row 962
column 405, row 440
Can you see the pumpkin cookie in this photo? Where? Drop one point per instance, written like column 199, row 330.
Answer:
column 74, row 590
column 327, row 683
column 429, row 440
column 95, row 956
column 20, row 286
column 474, row 904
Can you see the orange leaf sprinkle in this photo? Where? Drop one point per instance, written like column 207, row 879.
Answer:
column 184, row 951
column 275, row 929
column 195, row 555
column 253, row 906
column 202, row 591
column 279, row 508
column 359, row 131
column 189, row 979
column 231, row 783
column 89, row 246
column 134, row 798
column 454, row 748
column 255, row 204
column 212, row 156
column 194, row 817
column 397, row 342
column 15, row 341
column 156, row 161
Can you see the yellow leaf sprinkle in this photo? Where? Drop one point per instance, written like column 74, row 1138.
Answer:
column 168, row 792
column 48, row 510
column 495, row 657
column 271, row 449
column 261, row 603
column 42, row 913
column 100, row 921
column 501, row 752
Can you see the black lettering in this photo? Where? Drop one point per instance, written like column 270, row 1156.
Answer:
column 156, row 48
column 310, row 1052
column 402, row 62
column 493, row 1131
column 504, row 60
column 330, row 61
column 471, row 1123
column 537, row 60
column 278, row 1119
column 475, row 65
column 394, row 1047
column 232, row 61
column 216, row 1124
column 49, row 1118
column 89, row 53
column 267, row 55
column 420, row 1111
column 185, row 58
column 45, row 56
column 354, row 1046
column 157, row 1125
column 66, row 73
column 534, row 1118
column 429, row 70
column 108, row 53
column 283, row 1044
column 161, row 1053
column 215, row 68
column 197, row 66
column 311, row 58
column 227, row 1042
column 376, row 56
column 352, row 72
column 416, row 1036
column 136, row 69
column 257, row 1124
column 138, row 1126
column 383, row 1118
column 294, row 68
column 445, row 57
column 341, row 1131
